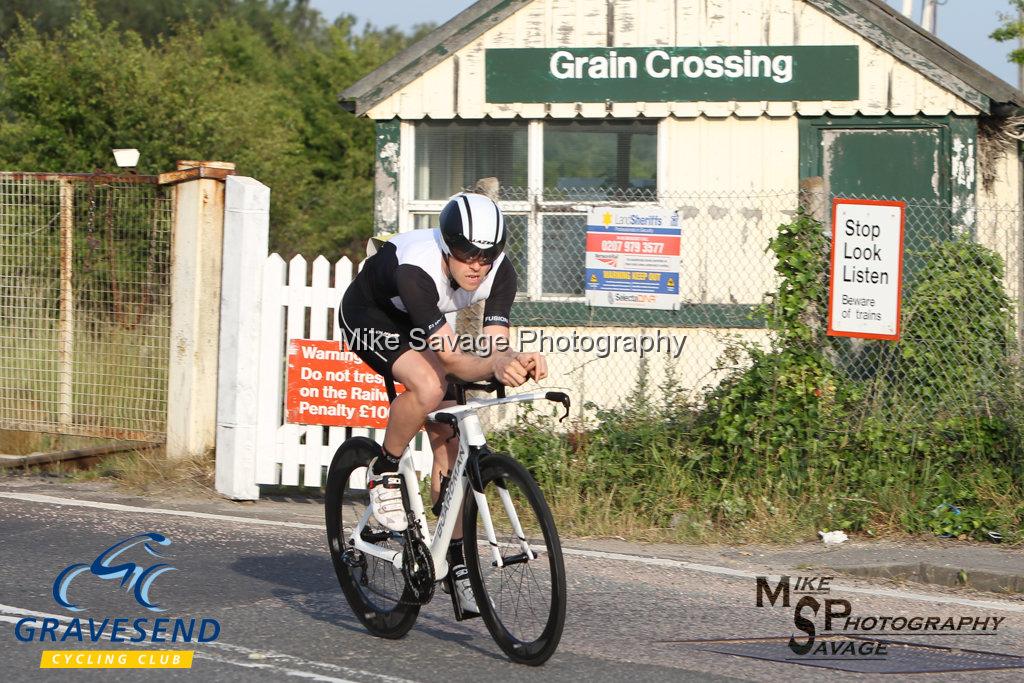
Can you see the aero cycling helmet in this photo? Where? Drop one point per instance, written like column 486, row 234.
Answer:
column 472, row 228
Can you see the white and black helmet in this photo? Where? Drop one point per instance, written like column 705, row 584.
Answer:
column 472, row 227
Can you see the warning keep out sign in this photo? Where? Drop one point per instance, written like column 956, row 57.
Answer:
column 867, row 268
column 329, row 385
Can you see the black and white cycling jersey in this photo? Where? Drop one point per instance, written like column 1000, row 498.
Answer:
column 402, row 296
column 407, row 275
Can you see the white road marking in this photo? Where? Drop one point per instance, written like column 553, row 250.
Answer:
column 74, row 502
column 1004, row 606
column 253, row 659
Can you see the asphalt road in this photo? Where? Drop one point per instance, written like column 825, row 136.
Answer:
column 273, row 591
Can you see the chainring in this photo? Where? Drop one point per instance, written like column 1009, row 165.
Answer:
column 418, row 571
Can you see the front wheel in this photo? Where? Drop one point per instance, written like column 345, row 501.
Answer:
column 374, row 588
column 523, row 601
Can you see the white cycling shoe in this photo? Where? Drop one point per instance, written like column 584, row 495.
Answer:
column 386, row 499
column 463, row 589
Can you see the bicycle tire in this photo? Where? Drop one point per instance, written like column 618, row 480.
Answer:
column 543, row 577
column 383, row 616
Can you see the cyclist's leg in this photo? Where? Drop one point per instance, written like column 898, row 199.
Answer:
column 423, row 376
column 381, row 339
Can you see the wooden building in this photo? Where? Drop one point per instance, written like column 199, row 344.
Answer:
column 722, row 109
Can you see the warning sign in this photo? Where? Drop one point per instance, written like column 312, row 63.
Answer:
column 867, row 268
column 329, row 385
column 632, row 257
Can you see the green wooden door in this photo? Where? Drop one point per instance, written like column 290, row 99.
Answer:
column 909, row 164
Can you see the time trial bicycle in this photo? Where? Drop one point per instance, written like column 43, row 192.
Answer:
column 511, row 547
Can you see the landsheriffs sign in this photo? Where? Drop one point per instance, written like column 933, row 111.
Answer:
column 867, row 268
column 672, row 74
column 632, row 258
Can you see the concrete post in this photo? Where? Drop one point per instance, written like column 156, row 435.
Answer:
column 196, row 255
column 246, row 237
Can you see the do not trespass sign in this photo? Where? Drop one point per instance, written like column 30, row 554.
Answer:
column 867, row 268
column 327, row 384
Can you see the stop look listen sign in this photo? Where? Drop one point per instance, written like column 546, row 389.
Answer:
column 867, row 268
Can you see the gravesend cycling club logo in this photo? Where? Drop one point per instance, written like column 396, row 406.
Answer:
column 132, row 565
column 133, row 577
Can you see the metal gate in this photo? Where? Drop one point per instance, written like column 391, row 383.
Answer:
column 84, row 304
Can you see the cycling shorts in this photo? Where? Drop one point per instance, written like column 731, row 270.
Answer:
column 378, row 336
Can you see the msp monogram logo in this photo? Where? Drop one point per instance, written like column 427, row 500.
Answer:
column 133, row 577
column 846, row 634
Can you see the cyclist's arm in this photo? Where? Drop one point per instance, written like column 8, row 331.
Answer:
column 501, row 362
column 496, row 326
column 533, row 364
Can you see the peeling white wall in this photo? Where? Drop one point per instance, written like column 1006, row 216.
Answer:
column 886, row 85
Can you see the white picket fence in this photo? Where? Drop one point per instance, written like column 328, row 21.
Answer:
column 297, row 306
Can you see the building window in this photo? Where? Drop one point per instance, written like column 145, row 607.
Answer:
column 600, row 160
column 549, row 174
column 453, row 155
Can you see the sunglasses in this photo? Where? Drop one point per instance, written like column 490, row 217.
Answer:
column 483, row 257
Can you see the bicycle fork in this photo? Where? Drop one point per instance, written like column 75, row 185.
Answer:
column 477, row 448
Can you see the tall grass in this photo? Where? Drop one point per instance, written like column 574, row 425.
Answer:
column 118, row 378
column 645, row 473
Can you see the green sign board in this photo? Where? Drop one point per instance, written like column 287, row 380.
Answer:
column 672, row 74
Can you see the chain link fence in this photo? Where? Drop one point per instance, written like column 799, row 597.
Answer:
column 962, row 275
column 84, row 304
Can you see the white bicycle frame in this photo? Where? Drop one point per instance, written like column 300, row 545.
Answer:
column 470, row 435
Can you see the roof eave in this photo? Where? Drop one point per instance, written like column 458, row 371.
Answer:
column 871, row 19
column 923, row 52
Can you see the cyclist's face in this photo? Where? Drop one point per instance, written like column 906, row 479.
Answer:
column 467, row 275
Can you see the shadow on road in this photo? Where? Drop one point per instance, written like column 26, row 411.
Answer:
column 307, row 584
column 304, row 572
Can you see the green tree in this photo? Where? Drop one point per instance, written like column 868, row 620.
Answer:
column 148, row 18
column 1012, row 28
column 256, row 85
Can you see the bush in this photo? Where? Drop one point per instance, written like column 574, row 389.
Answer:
column 811, row 433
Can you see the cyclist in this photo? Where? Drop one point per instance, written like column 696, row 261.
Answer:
column 395, row 314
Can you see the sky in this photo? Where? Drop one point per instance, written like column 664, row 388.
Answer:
column 964, row 24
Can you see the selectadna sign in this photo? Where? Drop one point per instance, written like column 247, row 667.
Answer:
column 672, row 74
column 132, row 565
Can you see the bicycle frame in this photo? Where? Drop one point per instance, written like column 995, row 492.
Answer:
column 471, row 443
